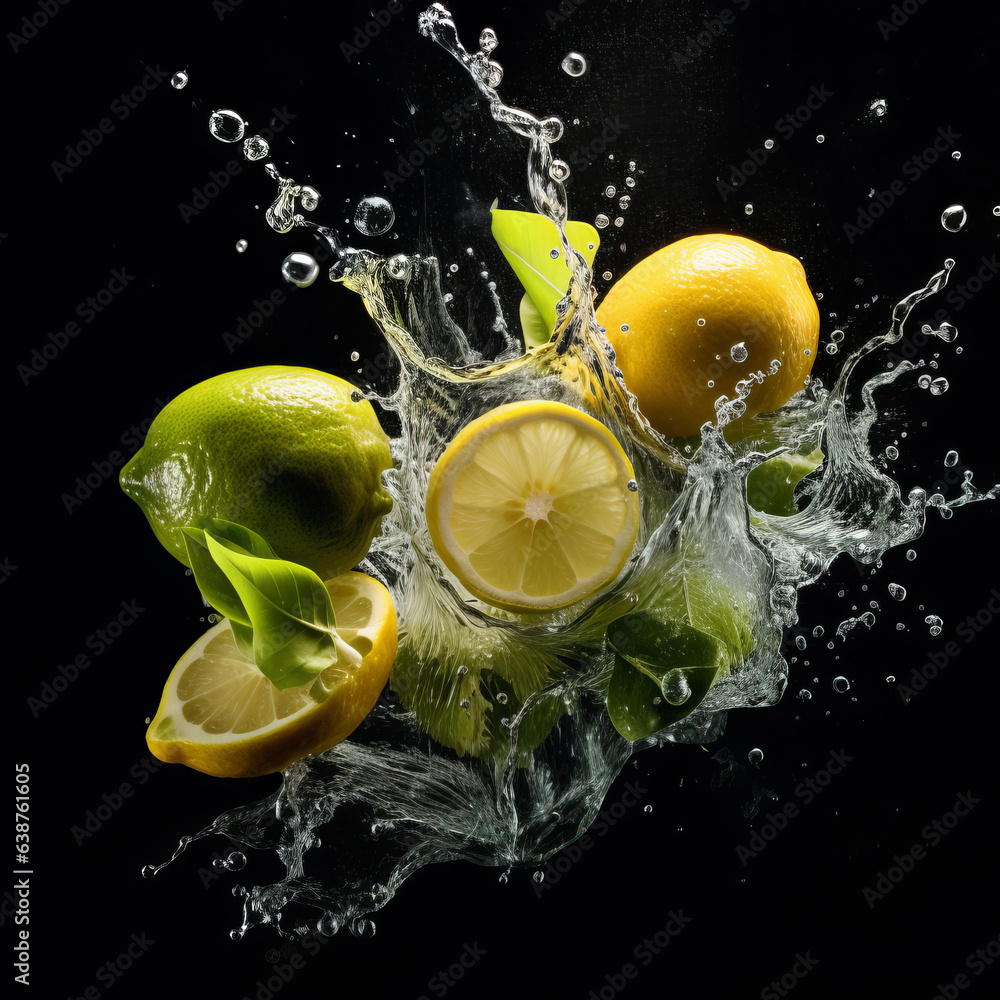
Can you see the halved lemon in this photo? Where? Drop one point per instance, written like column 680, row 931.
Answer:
column 533, row 506
column 219, row 714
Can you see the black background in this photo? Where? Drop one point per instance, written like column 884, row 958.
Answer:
column 688, row 120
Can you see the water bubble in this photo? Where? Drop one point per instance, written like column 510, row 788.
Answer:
column 241, row 246
column 939, row 386
column 800, row 642
column 647, row 809
column 755, row 756
column 748, row 208
column 398, row 267
column 898, row 591
column 607, row 275
column 300, row 269
column 374, row 216
column 878, row 107
column 996, row 209
column 236, row 934
column 818, row 631
column 630, row 182
column 236, row 861
column 957, row 155
column 841, row 684
column 624, row 201
column 226, row 125
column 602, row 221
column 911, row 555
column 821, row 138
column 837, row 336
column 632, row 486
column 462, row 670
column 488, row 40
column 611, row 190
column 538, row 876
column 769, row 144
column 148, row 871
column 701, row 321
column 891, row 452
column 738, row 352
column 309, row 198
column 619, row 221
column 951, row 459
column 832, row 348
column 355, row 356
column 179, row 80
column 935, row 623
column 357, row 395
column 924, row 381
column 559, row 170
column 675, row 687
column 501, row 698
column 953, row 218
column 574, row 64
column 255, row 147
column 804, row 694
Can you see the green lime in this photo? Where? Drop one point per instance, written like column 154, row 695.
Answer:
column 294, row 454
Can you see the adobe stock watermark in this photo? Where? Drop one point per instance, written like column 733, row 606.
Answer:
column 644, row 953
column 97, row 642
column 565, row 10
column 556, row 867
column 87, row 310
column 786, row 126
column 787, row 981
column 912, row 169
column 365, row 33
column 426, row 146
column 712, row 28
column 586, row 153
column 31, row 24
column 103, row 469
column 805, row 792
column 899, row 14
column 932, row 835
column 977, row 962
column 121, row 107
column 110, row 803
column 439, row 984
column 938, row 660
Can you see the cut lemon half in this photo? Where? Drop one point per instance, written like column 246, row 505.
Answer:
column 219, row 714
column 533, row 506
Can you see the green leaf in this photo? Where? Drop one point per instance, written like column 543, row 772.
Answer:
column 528, row 241
column 533, row 327
column 280, row 611
column 771, row 485
column 662, row 671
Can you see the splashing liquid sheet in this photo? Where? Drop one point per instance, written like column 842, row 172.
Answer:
column 353, row 823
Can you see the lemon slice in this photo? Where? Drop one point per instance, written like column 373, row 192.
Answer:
column 533, row 506
column 219, row 714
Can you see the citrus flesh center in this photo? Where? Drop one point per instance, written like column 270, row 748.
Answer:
column 533, row 506
column 219, row 714
column 293, row 454
column 704, row 316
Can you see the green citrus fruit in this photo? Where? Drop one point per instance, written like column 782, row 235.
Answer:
column 283, row 451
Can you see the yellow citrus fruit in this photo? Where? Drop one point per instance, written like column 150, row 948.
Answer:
column 286, row 452
column 533, row 506
column 691, row 321
column 219, row 714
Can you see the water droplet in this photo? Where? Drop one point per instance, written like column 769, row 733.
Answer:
column 488, row 40
column 755, row 756
column 607, row 275
column 374, row 216
column 939, row 386
column 951, row 459
column 226, row 125
column 738, row 352
column 179, row 80
column 574, row 64
column 647, row 809
column 898, row 591
column 619, row 221
column 602, row 221
column 877, row 107
column 748, row 208
column 538, row 876
column 701, row 322
column 769, row 144
column 953, row 218
column 935, row 624
column 996, row 209
column 957, row 155
column 841, row 684
column 398, row 267
column 148, row 871
column 464, row 703
column 554, row 254
column 892, row 452
column 624, row 201
column 800, row 642
column 357, row 395
column 355, row 356
column 236, row 934
column 236, row 861
column 675, row 687
column 462, row 670
column 255, row 148
column 632, row 485
column 241, row 246
column 300, row 269
column 804, row 695
column 559, row 170
column 832, row 348
column 501, row 698
column 309, row 198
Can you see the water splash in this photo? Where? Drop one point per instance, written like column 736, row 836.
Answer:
column 391, row 799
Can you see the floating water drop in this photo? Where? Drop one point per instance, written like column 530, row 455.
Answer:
column 818, row 631
column 179, row 80
column 738, row 352
column 892, row 452
column 488, row 40
column 769, row 144
column 911, row 555
column 300, row 269
column 748, row 208
column 878, row 107
column 559, row 170
column 957, row 155
column 632, row 485
column 939, row 386
column 953, row 218
column 951, row 459
column 647, row 809
column 309, row 198
column 841, row 684
column 256, row 147
column 374, row 216
column 241, row 246
column 355, row 356
column 462, row 670
column 897, row 591
column 538, row 876
column 821, row 138
column 755, row 756
column 804, row 694
column 602, row 221
column 800, row 642
column 574, row 64
column 675, row 687
column 226, row 125
column 236, row 861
